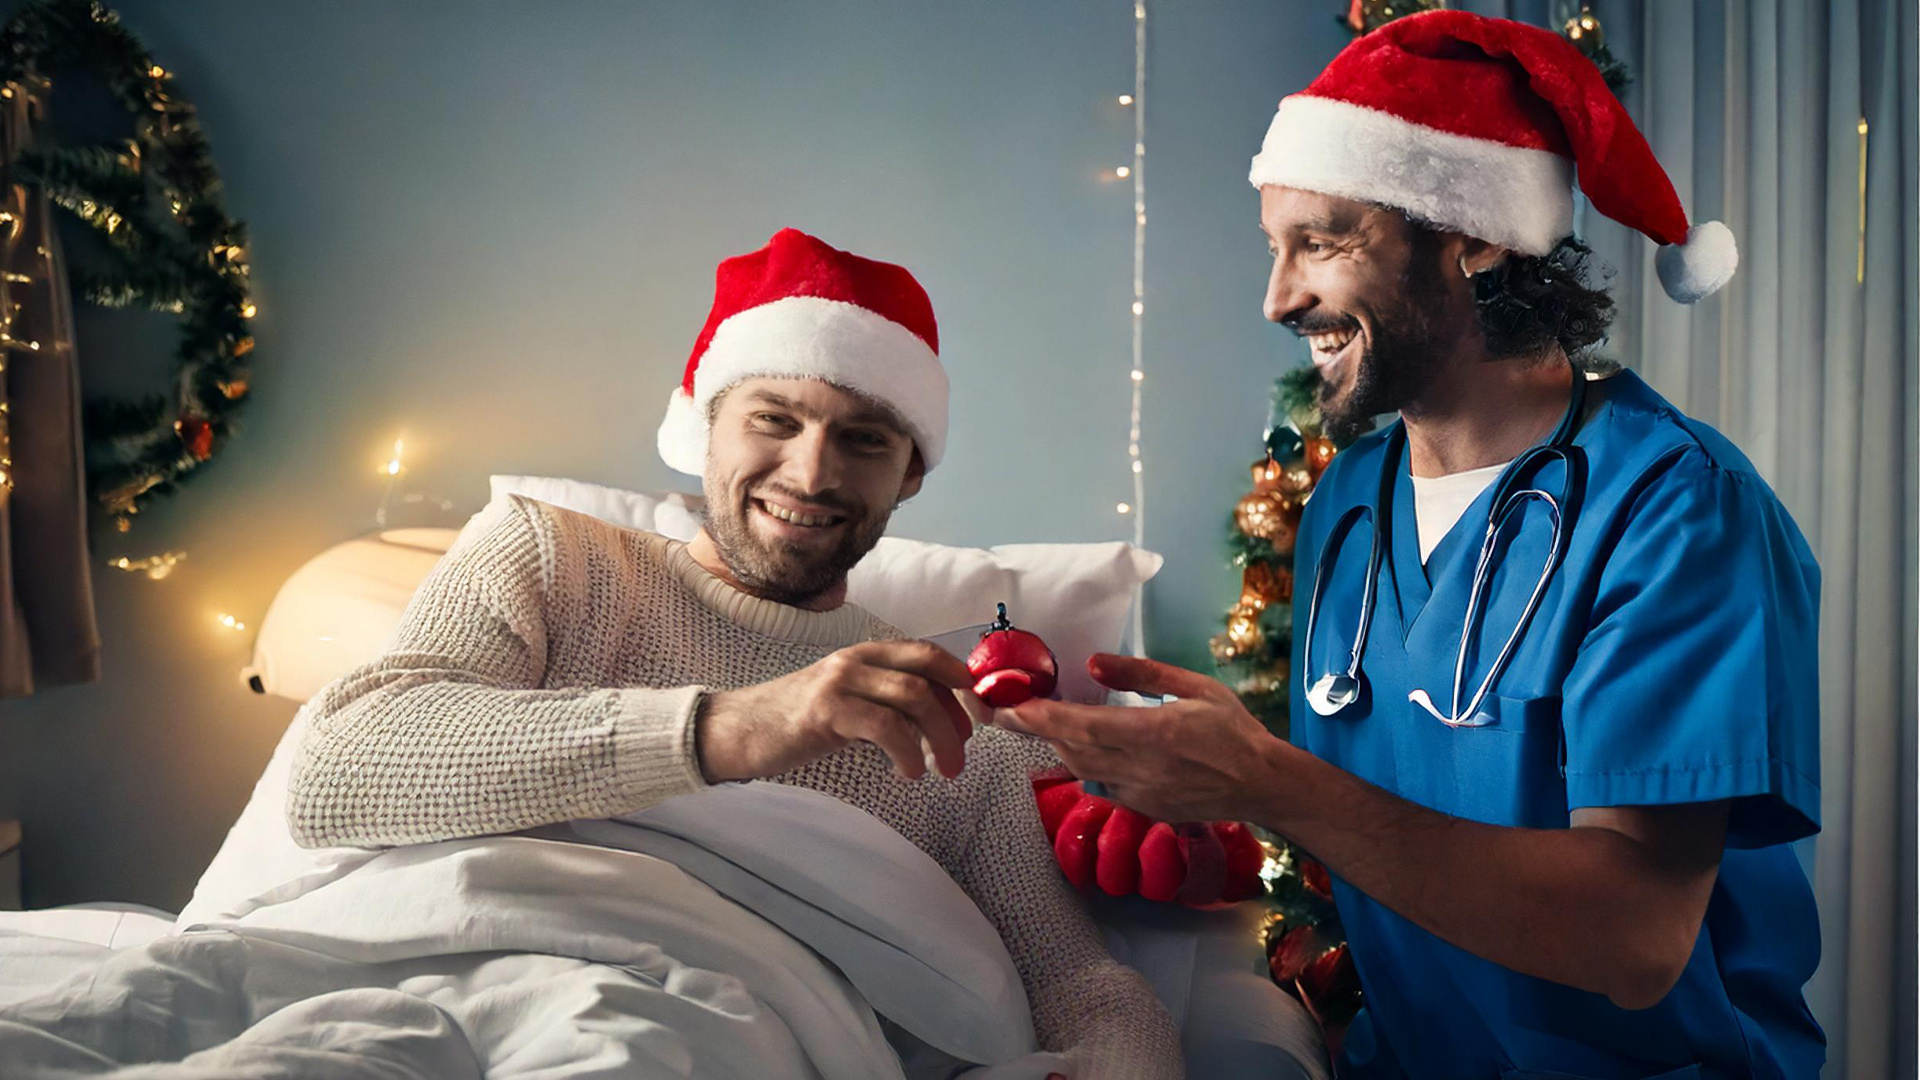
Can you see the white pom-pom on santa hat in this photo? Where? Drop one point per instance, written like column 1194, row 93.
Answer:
column 1697, row 268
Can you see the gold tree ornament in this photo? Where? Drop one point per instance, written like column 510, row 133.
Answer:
column 1264, row 583
column 1243, row 629
column 1585, row 31
column 1266, row 475
column 1257, row 514
column 1364, row 16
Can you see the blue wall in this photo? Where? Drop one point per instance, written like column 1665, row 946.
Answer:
column 492, row 227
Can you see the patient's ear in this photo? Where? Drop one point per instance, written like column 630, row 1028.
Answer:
column 916, row 475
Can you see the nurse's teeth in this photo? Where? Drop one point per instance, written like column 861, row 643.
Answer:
column 1328, row 344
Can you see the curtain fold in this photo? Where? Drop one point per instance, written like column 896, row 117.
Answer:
column 47, row 632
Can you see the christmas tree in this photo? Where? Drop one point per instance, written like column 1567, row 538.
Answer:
column 1306, row 948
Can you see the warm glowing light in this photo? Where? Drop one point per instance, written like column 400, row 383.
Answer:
column 1123, row 508
column 157, row 71
column 1123, row 172
column 1138, row 375
column 232, row 623
column 1138, row 307
column 1126, row 99
column 249, row 311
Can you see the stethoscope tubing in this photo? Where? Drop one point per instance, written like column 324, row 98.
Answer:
column 1508, row 497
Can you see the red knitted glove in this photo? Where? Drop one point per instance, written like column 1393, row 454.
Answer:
column 1197, row 864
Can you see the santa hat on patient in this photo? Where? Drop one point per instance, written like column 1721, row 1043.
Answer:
column 1479, row 126
column 800, row 308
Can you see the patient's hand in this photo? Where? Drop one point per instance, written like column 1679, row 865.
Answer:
column 897, row 695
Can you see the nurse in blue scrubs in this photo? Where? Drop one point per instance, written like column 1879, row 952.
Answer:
column 1556, row 720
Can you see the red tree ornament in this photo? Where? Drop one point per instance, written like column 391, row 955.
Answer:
column 196, row 435
column 1010, row 666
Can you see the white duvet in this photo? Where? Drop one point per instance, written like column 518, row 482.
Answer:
column 608, row 949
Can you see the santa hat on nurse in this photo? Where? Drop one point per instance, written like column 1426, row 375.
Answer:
column 1479, row 126
column 800, row 308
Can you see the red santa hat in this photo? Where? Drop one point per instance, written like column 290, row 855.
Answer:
column 802, row 308
column 1479, row 126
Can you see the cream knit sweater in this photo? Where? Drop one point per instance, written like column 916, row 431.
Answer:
column 549, row 670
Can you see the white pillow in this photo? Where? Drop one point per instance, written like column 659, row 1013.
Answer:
column 670, row 514
column 1077, row 597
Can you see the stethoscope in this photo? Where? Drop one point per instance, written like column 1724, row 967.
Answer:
column 1335, row 690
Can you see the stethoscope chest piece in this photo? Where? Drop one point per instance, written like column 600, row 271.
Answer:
column 1332, row 693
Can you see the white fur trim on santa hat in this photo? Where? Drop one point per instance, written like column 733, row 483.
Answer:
column 683, row 435
column 1696, row 269
column 811, row 337
column 1512, row 196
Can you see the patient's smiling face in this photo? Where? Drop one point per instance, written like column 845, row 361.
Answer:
column 801, row 478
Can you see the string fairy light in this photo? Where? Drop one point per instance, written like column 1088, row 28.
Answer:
column 156, row 567
column 1137, row 171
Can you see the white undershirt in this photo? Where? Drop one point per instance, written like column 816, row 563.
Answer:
column 1438, row 502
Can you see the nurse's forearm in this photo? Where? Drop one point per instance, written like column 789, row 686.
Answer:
column 1611, row 905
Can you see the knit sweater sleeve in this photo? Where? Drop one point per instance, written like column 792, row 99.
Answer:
column 450, row 733
column 1100, row 1013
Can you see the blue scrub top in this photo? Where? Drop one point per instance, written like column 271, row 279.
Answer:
column 1672, row 660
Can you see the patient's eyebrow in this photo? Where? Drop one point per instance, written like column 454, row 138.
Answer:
column 768, row 397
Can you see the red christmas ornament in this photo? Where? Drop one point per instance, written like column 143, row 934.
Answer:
column 196, row 435
column 1313, row 874
column 1313, row 965
column 1010, row 666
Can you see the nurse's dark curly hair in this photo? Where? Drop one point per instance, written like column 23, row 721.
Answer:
column 1531, row 301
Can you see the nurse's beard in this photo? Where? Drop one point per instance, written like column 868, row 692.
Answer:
column 1396, row 366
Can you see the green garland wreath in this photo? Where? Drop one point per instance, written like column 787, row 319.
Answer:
column 156, row 200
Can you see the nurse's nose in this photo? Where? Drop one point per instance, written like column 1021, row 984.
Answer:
column 1287, row 293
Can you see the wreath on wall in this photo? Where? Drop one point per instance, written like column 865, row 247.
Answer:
column 155, row 200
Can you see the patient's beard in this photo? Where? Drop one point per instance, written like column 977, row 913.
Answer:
column 782, row 572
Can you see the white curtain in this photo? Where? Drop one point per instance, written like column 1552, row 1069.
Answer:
column 1807, row 361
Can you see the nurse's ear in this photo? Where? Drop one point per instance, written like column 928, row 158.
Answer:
column 1478, row 256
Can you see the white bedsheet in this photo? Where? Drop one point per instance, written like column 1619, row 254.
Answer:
column 529, row 957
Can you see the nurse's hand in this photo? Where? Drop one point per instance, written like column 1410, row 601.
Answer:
column 1200, row 758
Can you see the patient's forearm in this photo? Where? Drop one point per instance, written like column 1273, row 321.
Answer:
column 399, row 756
column 448, row 734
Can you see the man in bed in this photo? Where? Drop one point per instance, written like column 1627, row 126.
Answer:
column 558, row 667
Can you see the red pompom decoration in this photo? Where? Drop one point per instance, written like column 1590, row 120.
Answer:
column 1076, row 844
column 1162, row 866
column 1010, row 666
column 1118, row 869
column 1097, row 841
column 1245, row 858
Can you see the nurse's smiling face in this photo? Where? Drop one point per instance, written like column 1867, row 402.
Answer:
column 1370, row 292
